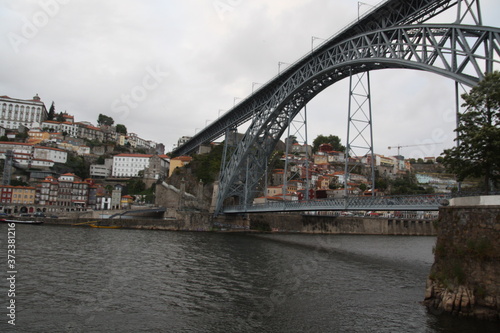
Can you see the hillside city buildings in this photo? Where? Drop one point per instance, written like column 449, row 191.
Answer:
column 38, row 145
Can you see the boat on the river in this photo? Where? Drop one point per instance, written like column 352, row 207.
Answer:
column 93, row 225
column 21, row 221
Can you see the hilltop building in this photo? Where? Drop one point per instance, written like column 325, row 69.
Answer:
column 17, row 112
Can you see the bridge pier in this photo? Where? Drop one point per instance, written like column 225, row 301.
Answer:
column 465, row 277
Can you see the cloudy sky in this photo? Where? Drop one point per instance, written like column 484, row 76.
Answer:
column 167, row 68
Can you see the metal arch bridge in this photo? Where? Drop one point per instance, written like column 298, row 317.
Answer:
column 392, row 35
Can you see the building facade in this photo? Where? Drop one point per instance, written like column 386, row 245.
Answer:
column 17, row 112
column 52, row 154
column 129, row 165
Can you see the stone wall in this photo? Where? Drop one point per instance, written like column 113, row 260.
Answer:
column 187, row 222
column 175, row 200
column 465, row 277
column 293, row 222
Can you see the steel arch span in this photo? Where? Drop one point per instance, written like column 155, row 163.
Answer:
column 460, row 52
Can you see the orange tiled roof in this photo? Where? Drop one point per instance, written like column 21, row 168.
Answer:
column 133, row 155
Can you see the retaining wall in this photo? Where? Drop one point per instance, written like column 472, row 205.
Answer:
column 465, row 277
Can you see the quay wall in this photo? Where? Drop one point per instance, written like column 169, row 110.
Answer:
column 186, row 222
column 341, row 224
column 270, row 222
column 465, row 277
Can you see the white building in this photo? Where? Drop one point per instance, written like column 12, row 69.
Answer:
column 67, row 127
column 102, row 170
column 137, row 142
column 23, row 152
column 48, row 153
column 40, row 163
column 129, row 165
column 18, row 112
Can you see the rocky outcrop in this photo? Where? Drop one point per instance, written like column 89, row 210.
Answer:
column 465, row 277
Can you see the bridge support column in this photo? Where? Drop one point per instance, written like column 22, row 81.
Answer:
column 359, row 128
column 299, row 135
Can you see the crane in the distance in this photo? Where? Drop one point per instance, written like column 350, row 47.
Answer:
column 417, row 145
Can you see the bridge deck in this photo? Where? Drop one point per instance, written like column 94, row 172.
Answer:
column 392, row 203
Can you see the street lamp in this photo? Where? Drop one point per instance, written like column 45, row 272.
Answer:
column 253, row 85
column 220, row 110
column 234, row 100
column 279, row 66
column 361, row 4
column 206, row 122
column 313, row 38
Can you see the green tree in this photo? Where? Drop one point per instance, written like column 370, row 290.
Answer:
column 60, row 117
column 121, row 129
column 22, row 136
column 331, row 139
column 135, row 186
column 52, row 112
column 100, row 160
column 105, row 120
column 407, row 185
column 77, row 165
column 18, row 182
column 207, row 166
column 478, row 134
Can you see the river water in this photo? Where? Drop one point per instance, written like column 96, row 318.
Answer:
column 72, row 279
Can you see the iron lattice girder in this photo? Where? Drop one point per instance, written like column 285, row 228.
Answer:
column 388, row 14
column 389, row 203
column 462, row 53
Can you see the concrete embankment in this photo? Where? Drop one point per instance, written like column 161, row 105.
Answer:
column 341, row 225
column 465, row 277
column 191, row 221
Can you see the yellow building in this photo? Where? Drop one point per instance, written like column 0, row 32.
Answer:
column 23, row 195
column 37, row 136
column 122, row 139
column 126, row 201
column 178, row 162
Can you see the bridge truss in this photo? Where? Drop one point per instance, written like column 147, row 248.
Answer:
column 382, row 203
column 393, row 35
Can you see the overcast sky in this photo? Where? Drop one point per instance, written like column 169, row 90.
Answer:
column 165, row 69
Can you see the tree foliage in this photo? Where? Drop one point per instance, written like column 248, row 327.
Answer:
column 207, row 166
column 478, row 134
column 408, row 185
column 75, row 164
column 60, row 117
column 105, row 120
column 120, row 128
column 136, row 186
column 52, row 112
column 331, row 139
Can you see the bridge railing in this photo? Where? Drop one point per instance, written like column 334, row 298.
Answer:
column 387, row 203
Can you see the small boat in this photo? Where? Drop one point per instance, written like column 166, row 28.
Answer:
column 20, row 221
column 92, row 225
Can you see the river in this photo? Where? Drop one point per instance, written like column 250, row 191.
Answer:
column 76, row 279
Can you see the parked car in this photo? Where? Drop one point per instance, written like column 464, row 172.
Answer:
column 39, row 214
